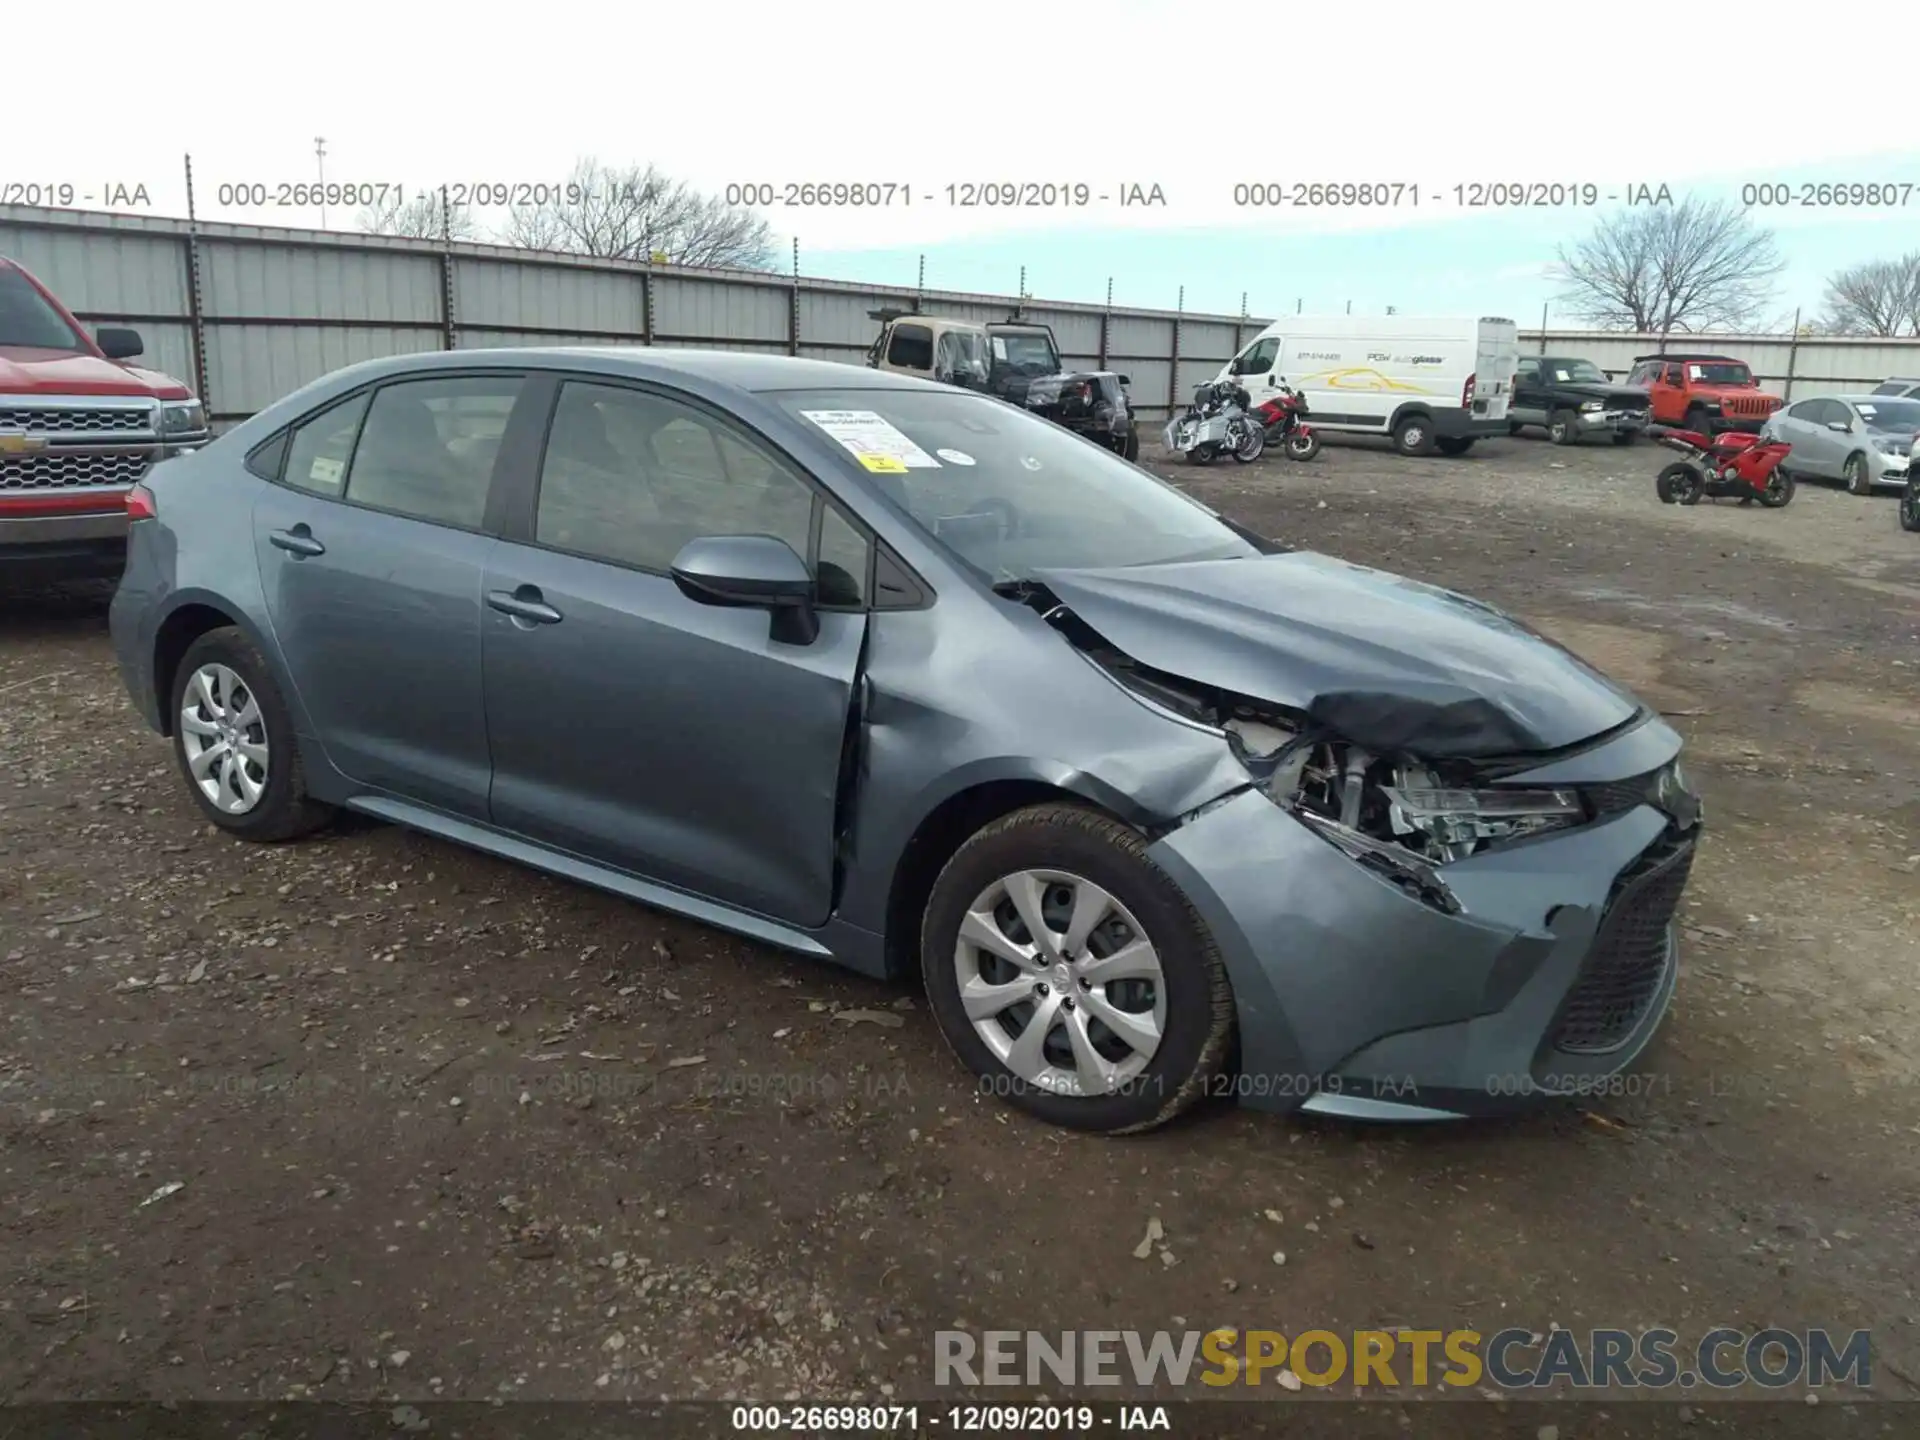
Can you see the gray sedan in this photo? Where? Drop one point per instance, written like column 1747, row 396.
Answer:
column 905, row 678
column 1861, row 440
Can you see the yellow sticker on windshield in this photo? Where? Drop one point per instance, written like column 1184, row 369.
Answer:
column 884, row 464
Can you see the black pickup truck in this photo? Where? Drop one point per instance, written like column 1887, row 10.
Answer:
column 1572, row 399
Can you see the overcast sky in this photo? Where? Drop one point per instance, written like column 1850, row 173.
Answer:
column 1116, row 93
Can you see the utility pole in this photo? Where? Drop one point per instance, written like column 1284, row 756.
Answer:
column 320, row 160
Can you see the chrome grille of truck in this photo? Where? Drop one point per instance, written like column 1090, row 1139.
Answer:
column 71, row 469
column 74, row 420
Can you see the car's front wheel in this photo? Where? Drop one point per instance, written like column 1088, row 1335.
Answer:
column 1071, row 974
column 1910, row 504
column 233, row 736
column 1858, row 477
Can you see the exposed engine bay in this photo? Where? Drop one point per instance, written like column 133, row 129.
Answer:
column 1395, row 812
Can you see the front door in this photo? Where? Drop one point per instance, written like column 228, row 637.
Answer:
column 1256, row 369
column 371, row 556
column 1529, row 394
column 644, row 730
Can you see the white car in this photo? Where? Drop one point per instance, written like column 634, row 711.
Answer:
column 1863, row 440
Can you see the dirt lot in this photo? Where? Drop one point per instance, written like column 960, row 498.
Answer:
column 374, row 1116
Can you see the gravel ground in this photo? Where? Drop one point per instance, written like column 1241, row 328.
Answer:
column 371, row 1116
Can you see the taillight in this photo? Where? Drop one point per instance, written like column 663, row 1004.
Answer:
column 140, row 504
column 1466, row 392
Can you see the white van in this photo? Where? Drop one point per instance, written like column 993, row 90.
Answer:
column 1430, row 384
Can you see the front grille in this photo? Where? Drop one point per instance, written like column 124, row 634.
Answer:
column 1630, row 955
column 65, row 470
column 65, row 420
column 1747, row 405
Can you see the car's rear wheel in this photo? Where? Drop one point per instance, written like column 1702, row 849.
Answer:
column 233, row 736
column 1563, row 428
column 1910, row 504
column 1858, row 477
column 1072, row 976
column 1131, row 449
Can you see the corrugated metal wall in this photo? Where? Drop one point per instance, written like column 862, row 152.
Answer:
column 248, row 313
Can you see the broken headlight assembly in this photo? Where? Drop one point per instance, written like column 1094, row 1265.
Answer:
column 1397, row 816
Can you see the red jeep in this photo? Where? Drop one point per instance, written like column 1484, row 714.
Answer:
column 1703, row 393
column 78, row 427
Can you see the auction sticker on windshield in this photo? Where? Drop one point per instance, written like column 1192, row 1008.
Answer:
column 872, row 440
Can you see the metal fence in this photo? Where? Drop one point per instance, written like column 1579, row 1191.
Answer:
column 248, row 313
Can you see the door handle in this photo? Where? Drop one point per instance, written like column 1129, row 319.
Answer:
column 524, row 604
column 297, row 541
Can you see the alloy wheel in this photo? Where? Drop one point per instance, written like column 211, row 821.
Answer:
column 224, row 735
column 1061, row 982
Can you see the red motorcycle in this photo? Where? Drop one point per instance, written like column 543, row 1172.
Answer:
column 1744, row 467
column 1285, row 422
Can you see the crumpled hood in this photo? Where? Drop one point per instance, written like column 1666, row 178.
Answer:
column 1388, row 663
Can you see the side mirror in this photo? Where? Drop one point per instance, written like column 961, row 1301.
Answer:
column 1840, row 427
column 754, row 572
column 119, row 344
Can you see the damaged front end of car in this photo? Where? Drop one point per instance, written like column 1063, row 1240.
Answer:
column 1458, row 912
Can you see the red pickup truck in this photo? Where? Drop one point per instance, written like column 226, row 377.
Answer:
column 78, row 428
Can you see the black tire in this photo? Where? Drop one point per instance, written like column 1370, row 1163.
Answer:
column 1625, row 437
column 1414, row 436
column 1195, row 1043
column 1699, row 421
column 1131, row 449
column 1780, row 487
column 1303, row 447
column 1679, row 484
column 1859, row 478
column 1563, row 427
column 1455, row 445
column 1201, row 455
column 1253, row 447
column 1910, row 505
column 1514, row 427
column 284, row 810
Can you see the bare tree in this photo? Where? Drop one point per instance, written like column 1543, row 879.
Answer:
column 635, row 212
column 419, row 217
column 1655, row 269
column 1881, row 297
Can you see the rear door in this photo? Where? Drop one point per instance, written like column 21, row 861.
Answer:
column 1816, row 449
column 371, row 550
column 1496, row 356
column 639, row 728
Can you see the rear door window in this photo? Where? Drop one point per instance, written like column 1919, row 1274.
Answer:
column 427, row 447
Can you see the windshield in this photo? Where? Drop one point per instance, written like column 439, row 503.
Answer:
column 1899, row 416
column 961, row 354
column 1577, row 372
column 1027, row 351
column 1720, row 372
column 1007, row 493
column 27, row 320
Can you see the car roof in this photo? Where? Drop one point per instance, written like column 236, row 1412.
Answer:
column 736, row 369
column 1677, row 355
column 1865, row 399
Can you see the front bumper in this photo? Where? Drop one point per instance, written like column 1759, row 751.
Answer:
column 1612, row 422
column 1893, row 470
column 69, row 541
column 1354, row 998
